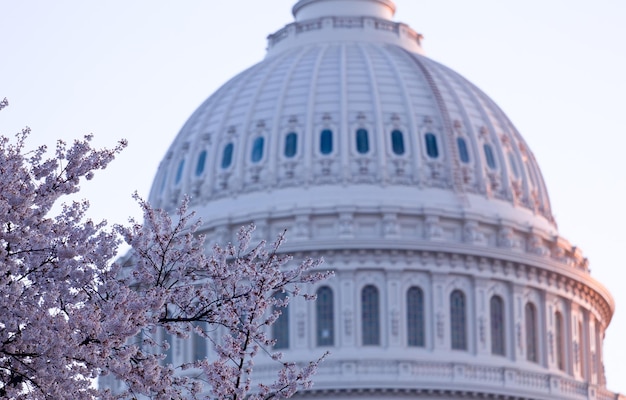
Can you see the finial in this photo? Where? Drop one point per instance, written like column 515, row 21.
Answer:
column 309, row 9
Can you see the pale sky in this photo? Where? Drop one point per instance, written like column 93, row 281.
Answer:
column 138, row 69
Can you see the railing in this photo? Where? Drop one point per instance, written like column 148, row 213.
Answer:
column 342, row 23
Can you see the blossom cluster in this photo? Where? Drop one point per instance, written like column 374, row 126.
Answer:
column 72, row 310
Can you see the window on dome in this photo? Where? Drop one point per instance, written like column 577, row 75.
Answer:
column 491, row 160
column 199, row 342
column 257, row 149
column 461, row 144
column 280, row 329
column 227, row 155
column 291, row 144
column 201, row 163
column 362, row 141
column 532, row 338
column 397, row 142
column 326, row 141
column 496, row 310
column 324, row 307
column 179, row 171
column 431, row 145
column 560, row 340
column 458, row 321
column 415, row 317
column 513, row 165
column 370, row 315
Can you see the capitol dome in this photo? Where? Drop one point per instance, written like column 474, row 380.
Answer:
column 417, row 190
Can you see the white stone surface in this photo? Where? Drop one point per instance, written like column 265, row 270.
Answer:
column 394, row 219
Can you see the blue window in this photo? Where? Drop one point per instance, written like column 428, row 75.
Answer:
column 397, row 142
column 169, row 353
column 199, row 341
column 326, row 141
column 496, row 311
column 227, row 155
column 513, row 165
column 560, row 341
column 291, row 144
column 370, row 315
column 491, row 160
column 458, row 321
column 201, row 163
column 581, row 350
column 532, row 338
column 324, row 307
column 362, row 141
column 280, row 329
column 462, row 146
column 431, row 145
column 179, row 171
column 415, row 317
column 257, row 149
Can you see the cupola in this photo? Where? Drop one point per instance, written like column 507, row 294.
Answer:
column 310, row 9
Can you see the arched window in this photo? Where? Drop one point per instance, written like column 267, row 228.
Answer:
column 199, row 342
column 257, row 149
column 227, row 155
column 201, row 163
column 461, row 144
column 491, row 160
column 513, row 165
column 496, row 311
column 415, row 317
column 458, row 321
column 291, row 144
column 169, row 353
column 179, row 171
column 431, row 145
column 532, row 338
column 581, row 350
column 362, row 141
column 324, row 307
column 326, row 141
column 560, row 340
column 370, row 315
column 280, row 329
column 597, row 366
column 397, row 142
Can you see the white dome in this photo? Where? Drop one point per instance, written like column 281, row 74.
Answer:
column 402, row 175
column 399, row 102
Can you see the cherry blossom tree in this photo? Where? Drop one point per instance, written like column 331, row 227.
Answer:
column 72, row 310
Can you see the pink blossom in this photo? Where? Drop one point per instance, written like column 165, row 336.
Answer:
column 73, row 310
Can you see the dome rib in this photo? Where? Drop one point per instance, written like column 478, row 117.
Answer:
column 344, row 148
column 310, row 122
column 226, row 135
column 379, row 132
column 412, row 133
column 469, row 130
column 444, row 116
column 276, row 127
column 461, row 84
column 246, row 126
